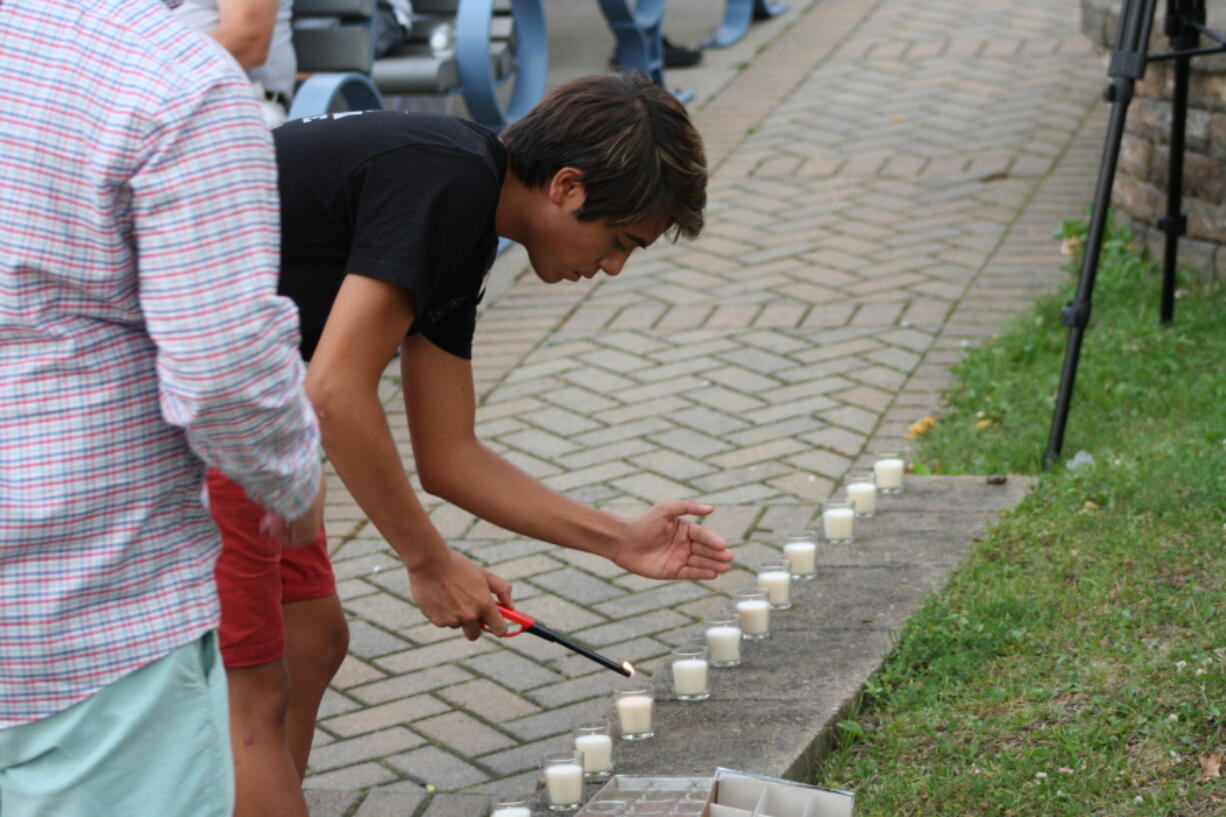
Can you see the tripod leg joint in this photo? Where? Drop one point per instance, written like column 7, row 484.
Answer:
column 1173, row 226
column 1076, row 314
column 1119, row 91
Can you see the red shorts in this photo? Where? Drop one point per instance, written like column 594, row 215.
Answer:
column 256, row 575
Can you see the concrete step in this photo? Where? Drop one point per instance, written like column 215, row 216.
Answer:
column 777, row 712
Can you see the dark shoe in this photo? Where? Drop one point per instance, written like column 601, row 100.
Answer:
column 678, row 56
column 675, row 56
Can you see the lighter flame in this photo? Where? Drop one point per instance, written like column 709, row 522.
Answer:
column 628, row 667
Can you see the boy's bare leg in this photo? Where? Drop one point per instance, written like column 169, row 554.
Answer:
column 316, row 640
column 266, row 781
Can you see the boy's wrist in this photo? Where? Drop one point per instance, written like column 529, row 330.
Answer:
column 608, row 536
column 418, row 558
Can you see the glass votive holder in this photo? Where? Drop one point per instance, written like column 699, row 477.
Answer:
column 689, row 665
column 634, row 713
column 754, row 611
column 563, row 774
column 515, row 806
column 723, row 634
column 655, row 802
column 838, row 521
column 775, row 577
column 862, row 491
column 801, row 550
column 592, row 740
column 698, row 790
column 888, row 469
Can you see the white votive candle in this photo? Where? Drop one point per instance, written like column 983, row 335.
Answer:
column 724, row 643
column 888, row 471
column 565, row 784
column 754, row 611
column 690, row 676
column 775, row 577
column 862, row 492
column 801, row 550
column 838, row 521
column 510, row 807
column 634, row 714
column 597, row 752
column 511, row 811
column 778, row 584
column 689, row 663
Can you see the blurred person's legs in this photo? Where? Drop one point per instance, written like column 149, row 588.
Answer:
column 283, row 636
column 153, row 742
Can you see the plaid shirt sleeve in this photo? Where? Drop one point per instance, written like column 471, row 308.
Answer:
column 206, row 220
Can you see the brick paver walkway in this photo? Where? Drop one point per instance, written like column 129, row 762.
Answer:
column 887, row 176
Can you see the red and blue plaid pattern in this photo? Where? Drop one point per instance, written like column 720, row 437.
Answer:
column 140, row 334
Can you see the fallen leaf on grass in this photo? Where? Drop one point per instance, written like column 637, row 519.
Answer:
column 1211, row 764
column 920, row 427
column 986, row 422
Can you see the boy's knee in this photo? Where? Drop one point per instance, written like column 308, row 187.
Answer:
column 326, row 643
column 335, row 642
column 260, row 695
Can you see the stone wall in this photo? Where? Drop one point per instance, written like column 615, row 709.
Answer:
column 1140, row 183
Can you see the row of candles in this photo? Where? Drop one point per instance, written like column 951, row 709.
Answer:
column 746, row 620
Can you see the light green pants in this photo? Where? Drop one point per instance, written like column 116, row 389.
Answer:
column 153, row 744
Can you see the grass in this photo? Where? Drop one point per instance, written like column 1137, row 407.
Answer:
column 1076, row 664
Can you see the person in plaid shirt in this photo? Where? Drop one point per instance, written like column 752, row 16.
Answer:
column 141, row 337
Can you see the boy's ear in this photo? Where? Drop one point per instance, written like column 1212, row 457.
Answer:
column 566, row 186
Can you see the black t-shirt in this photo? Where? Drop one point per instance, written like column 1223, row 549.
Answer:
column 407, row 198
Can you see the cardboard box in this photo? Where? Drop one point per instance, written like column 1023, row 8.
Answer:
column 737, row 794
column 728, row 794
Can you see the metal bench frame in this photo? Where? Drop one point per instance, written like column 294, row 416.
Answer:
column 478, row 85
column 478, row 80
column 321, row 91
column 738, row 14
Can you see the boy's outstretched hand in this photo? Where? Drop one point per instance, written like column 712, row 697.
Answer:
column 663, row 544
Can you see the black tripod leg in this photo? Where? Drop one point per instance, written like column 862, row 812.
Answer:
column 1175, row 223
column 1127, row 65
column 1076, row 314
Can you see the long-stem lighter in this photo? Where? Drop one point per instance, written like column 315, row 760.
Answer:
column 530, row 625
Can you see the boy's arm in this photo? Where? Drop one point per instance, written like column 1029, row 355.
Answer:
column 368, row 319
column 205, row 220
column 452, row 463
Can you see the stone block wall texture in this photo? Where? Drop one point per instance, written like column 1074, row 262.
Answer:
column 1141, row 178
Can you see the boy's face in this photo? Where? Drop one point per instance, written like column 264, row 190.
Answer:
column 563, row 248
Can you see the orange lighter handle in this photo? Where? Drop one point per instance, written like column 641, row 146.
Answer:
column 522, row 619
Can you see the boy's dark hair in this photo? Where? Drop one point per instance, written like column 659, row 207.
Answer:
column 633, row 141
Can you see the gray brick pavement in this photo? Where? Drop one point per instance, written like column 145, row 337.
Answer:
column 886, row 179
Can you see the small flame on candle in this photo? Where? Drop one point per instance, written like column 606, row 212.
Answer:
column 628, row 666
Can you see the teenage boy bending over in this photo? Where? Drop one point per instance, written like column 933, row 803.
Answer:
column 390, row 222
